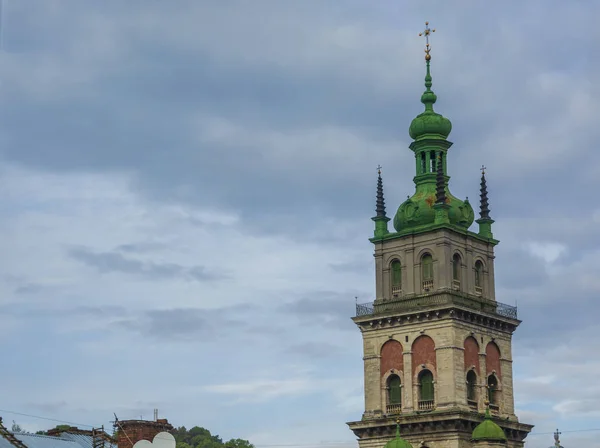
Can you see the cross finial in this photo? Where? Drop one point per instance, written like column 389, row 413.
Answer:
column 556, row 434
column 426, row 33
column 379, row 169
column 483, row 168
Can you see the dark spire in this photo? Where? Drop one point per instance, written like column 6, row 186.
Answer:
column 380, row 205
column 485, row 209
column 440, row 185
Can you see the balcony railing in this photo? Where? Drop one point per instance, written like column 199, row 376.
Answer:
column 425, row 405
column 427, row 285
column 436, row 300
column 456, row 285
column 394, row 408
column 478, row 290
column 396, row 290
column 472, row 403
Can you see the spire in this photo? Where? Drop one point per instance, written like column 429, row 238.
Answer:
column 484, row 210
column 441, row 205
column 380, row 205
column 440, row 182
column 485, row 222
column 429, row 124
column 428, row 98
column 380, row 218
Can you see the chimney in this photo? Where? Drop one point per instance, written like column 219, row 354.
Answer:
column 131, row 431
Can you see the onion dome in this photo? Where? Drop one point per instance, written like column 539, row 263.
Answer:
column 488, row 430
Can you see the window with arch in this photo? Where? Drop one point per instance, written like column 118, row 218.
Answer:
column 396, row 269
column 472, row 387
column 456, row 263
column 394, row 392
column 492, row 383
column 426, row 391
column 478, row 277
column 427, row 271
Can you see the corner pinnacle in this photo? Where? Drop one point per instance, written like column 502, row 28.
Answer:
column 380, row 204
column 484, row 206
column 440, row 190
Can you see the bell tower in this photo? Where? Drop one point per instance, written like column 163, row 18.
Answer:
column 436, row 343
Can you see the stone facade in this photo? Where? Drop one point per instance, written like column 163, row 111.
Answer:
column 448, row 311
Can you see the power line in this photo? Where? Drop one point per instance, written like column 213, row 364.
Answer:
column 45, row 418
column 302, row 445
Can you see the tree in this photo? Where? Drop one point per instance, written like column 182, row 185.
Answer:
column 15, row 427
column 238, row 443
column 198, row 437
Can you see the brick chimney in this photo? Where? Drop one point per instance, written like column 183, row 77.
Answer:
column 131, row 431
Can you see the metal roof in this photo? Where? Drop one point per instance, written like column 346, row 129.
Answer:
column 65, row 440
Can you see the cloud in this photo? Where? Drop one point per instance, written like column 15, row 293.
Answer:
column 107, row 262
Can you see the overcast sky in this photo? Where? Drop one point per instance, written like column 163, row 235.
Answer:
column 186, row 189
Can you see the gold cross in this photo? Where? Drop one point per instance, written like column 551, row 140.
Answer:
column 426, row 33
column 379, row 169
column 483, row 168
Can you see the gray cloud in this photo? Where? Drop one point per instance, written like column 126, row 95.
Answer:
column 190, row 324
column 315, row 350
column 107, row 262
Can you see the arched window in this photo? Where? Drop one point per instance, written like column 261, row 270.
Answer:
column 456, row 271
column 396, row 277
column 478, row 277
column 426, row 392
column 427, row 271
column 394, row 391
column 492, row 383
column 472, row 387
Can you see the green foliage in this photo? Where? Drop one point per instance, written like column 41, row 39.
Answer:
column 198, row 437
column 59, row 428
column 15, row 427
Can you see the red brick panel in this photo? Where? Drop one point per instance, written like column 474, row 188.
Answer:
column 472, row 354
column 492, row 359
column 423, row 352
column 391, row 356
column 131, row 431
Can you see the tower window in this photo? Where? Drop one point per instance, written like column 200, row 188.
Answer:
column 394, row 393
column 492, row 384
column 426, row 391
column 396, row 277
column 427, row 272
column 478, row 277
column 472, row 388
column 456, row 263
column 423, row 163
column 432, row 159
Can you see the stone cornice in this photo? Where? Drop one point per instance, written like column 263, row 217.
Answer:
column 420, row 314
column 434, row 423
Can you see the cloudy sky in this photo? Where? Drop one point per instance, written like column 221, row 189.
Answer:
column 186, row 190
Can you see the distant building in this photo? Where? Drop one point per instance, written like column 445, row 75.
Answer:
column 128, row 432
column 68, row 438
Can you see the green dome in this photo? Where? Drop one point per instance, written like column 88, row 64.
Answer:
column 398, row 442
column 418, row 210
column 488, row 430
column 429, row 123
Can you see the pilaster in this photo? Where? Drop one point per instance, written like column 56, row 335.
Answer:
column 408, row 397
